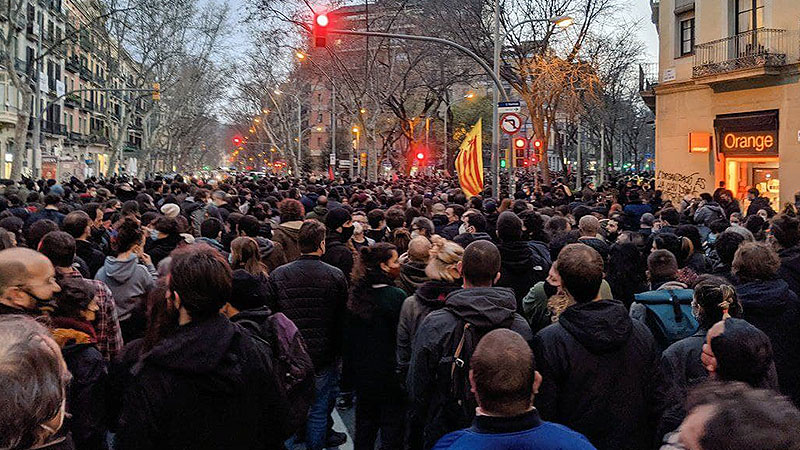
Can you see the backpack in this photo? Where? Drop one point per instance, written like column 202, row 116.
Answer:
column 292, row 366
column 668, row 314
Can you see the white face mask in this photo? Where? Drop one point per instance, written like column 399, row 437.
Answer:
column 414, row 234
column 61, row 414
column 462, row 229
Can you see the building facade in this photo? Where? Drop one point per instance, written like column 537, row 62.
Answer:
column 728, row 97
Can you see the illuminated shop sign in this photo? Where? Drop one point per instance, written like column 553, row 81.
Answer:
column 748, row 134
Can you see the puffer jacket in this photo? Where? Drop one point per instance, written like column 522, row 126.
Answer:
column 601, row 376
column 518, row 269
column 486, row 309
column 430, row 296
column 314, row 296
column 790, row 268
column 286, row 235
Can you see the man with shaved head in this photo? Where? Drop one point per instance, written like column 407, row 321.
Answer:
column 504, row 378
column 413, row 263
column 27, row 278
column 589, row 227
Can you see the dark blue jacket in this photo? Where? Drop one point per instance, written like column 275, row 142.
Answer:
column 525, row 432
column 42, row 214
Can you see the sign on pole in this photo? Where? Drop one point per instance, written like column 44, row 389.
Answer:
column 508, row 107
column 511, row 123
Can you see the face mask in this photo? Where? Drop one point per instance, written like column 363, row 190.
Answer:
column 39, row 301
column 230, row 258
column 347, row 233
column 154, row 234
column 414, row 234
column 61, row 414
column 462, row 229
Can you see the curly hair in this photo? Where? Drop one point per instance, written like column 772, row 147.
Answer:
column 291, row 210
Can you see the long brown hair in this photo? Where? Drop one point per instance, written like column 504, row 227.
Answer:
column 245, row 255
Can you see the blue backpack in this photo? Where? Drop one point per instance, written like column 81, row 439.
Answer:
column 668, row 314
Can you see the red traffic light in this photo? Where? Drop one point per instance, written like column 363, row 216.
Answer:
column 320, row 30
column 537, row 143
column 420, row 156
column 237, row 141
column 520, row 143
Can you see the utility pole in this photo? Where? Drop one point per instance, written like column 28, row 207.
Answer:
column 498, row 44
column 333, row 121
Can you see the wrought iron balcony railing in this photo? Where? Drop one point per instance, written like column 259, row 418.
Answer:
column 763, row 47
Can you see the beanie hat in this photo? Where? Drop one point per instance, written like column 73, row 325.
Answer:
column 171, row 210
column 249, row 291
column 337, row 218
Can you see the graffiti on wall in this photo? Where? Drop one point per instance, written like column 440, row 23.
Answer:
column 675, row 185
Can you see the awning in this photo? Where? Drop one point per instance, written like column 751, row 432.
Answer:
column 754, row 121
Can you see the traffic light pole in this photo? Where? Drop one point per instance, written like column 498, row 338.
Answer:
column 492, row 73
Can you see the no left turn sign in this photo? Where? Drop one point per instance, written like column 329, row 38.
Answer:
column 511, row 123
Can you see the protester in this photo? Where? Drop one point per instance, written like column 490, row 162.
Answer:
column 519, row 270
column 79, row 225
column 785, row 239
column 27, row 281
column 165, row 238
column 413, row 264
column 291, row 215
column 338, row 250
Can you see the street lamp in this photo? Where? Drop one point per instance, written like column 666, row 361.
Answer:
column 300, row 55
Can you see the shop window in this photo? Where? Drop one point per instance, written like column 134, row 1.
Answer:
column 687, row 36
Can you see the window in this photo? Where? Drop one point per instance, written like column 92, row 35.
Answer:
column 687, row 36
column 749, row 15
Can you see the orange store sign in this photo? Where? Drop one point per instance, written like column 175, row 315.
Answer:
column 750, row 143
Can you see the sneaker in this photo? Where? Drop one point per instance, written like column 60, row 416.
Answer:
column 336, row 439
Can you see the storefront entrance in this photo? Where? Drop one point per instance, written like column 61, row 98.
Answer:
column 761, row 173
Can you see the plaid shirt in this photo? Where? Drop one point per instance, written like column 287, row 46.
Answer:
column 106, row 324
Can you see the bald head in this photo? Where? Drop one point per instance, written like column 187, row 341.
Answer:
column 503, row 373
column 419, row 249
column 589, row 226
column 27, row 272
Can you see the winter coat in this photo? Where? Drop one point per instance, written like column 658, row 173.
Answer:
column 790, row 268
column 377, row 235
column 681, row 364
column 271, row 252
column 412, row 275
column 338, row 254
column 213, row 243
column 195, row 213
column 759, row 203
column 372, row 346
column 42, row 214
column 161, row 248
column 286, row 235
column 319, row 213
column 430, row 296
column 731, row 207
column 600, row 245
column 601, row 376
column 201, row 387
column 91, row 254
column 634, row 212
column 451, row 230
column 708, row 213
column 314, row 296
column 774, row 309
column 129, row 281
column 464, row 239
column 86, row 393
column 486, row 309
column 518, row 270
column 523, row 432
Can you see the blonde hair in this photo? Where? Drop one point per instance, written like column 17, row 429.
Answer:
column 446, row 258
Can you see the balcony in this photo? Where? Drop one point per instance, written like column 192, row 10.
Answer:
column 86, row 74
column 75, row 137
column 72, row 101
column 54, row 128
column 754, row 53
column 96, row 138
column 88, row 105
column 72, row 65
column 648, row 80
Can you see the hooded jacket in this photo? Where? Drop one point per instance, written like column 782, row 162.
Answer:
column 708, row 213
column 486, row 309
column 286, row 234
column 412, row 275
column 774, row 309
column 519, row 270
column 201, row 387
column 760, row 203
column 430, row 296
column 271, row 253
column 601, row 376
column 790, row 267
column 91, row 254
column 129, row 281
column 319, row 213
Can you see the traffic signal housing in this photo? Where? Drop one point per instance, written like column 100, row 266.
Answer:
column 520, row 151
column 503, row 158
column 320, row 29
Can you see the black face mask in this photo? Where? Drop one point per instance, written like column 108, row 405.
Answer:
column 40, row 302
column 347, row 233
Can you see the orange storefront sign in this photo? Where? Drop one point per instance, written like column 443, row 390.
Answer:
column 699, row 142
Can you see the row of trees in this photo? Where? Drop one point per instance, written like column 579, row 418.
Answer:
column 176, row 43
column 388, row 87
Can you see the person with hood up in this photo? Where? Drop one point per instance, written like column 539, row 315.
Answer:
column 708, row 211
column 413, row 264
column 519, row 270
column 291, row 215
column 130, row 275
column 202, row 386
column 164, row 238
column 468, row 315
column 443, row 278
column 773, row 308
column 338, row 250
column 599, row 367
column 784, row 238
column 272, row 253
column 72, row 330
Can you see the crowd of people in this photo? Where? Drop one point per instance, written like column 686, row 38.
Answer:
column 185, row 313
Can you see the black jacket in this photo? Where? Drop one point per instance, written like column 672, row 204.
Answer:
column 601, row 376
column 202, row 387
column 161, row 248
column 428, row 379
column 518, row 270
column 314, row 296
column 450, row 231
column 338, row 254
column 412, row 275
column 790, row 267
column 774, row 309
column 760, row 203
column 681, row 364
column 91, row 254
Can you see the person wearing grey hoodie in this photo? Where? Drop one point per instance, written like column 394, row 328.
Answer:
column 130, row 275
column 708, row 211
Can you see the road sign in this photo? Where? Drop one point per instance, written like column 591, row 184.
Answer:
column 508, row 107
column 510, row 123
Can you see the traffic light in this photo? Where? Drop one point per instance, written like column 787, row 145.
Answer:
column 536, row 143
column 320, row 29
column 237, row 141
column 520, row 150
column 156, row 92
column 503, row 158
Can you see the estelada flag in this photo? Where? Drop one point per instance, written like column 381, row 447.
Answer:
column 469, row 162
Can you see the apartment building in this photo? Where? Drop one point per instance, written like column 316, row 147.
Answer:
column 728, row 97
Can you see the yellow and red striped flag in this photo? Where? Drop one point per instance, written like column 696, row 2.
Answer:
column 469, row 162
